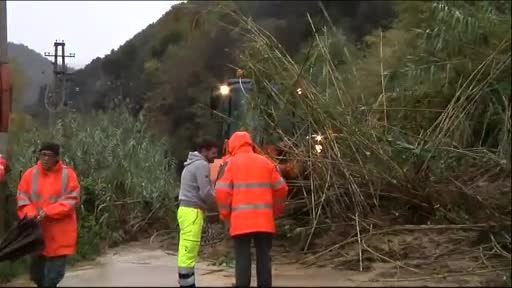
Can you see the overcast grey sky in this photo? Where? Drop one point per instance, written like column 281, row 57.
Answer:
column 89, row 28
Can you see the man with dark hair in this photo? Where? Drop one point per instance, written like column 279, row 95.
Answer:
column 49, row 192
column 206, row 144
column 195, row 196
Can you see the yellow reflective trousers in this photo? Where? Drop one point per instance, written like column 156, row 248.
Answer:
column 190, row 221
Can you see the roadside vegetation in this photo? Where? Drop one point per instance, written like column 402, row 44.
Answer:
column 127, row 180
column 420, row 113
column 413, row 110
column 415, row 126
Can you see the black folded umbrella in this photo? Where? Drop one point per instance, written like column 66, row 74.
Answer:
column 24, row 238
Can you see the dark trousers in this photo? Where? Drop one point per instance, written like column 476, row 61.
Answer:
column 263, row 245
column 47, row 271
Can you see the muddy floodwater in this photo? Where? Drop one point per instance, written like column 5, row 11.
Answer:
column 143, row 265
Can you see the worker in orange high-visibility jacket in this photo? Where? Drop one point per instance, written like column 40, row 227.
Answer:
column 250, row 193
column 49, row 191
column 4, row 168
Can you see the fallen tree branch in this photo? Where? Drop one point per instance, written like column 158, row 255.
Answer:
column 399, row 228
column 389, row 260
column 359, row 240
column 442, row 275
column 158, row 232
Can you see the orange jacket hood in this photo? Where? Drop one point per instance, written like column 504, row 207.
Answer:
column 240, row 140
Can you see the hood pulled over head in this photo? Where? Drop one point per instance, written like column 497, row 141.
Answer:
column 194, row 157
column 239, row 140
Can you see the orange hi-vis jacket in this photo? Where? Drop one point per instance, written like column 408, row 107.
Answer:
column 3, row 167
column 56, row 192
column 250, row 192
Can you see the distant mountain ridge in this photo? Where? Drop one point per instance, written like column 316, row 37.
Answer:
column 36, row 68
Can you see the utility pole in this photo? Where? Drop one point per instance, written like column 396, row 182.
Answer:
column 54, row 98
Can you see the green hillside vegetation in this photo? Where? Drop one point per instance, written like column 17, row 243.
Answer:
column 20, row 120
column 36, row 68
column 19, row 80
column 415, row 122
column 408, row 92
column 421, row 114
column 412, row 99
column 169, row 69
column 126, row 178
column 34, row 73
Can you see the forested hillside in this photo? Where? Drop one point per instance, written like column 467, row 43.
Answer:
column 412, row 100
column 410, row 95
column 36, row 69
column 32, row 73
column 169, row 69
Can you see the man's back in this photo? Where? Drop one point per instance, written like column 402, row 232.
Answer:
column 250, row 191
column 252, row 171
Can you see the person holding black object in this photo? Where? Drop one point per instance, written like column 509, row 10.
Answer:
column 49, row 192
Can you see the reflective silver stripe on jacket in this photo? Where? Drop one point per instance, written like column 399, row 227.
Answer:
column 35, row 178
column 65, row 193
column 54, row 198
column 23, row 198
column 241, row 185
column 251, row 206
column 277, row 184
column 224, row 186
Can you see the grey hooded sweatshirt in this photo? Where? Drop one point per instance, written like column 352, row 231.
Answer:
column 196, row 190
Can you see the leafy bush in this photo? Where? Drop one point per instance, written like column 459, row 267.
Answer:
column 127, row 183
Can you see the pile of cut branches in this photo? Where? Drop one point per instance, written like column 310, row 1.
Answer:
column 412, row 129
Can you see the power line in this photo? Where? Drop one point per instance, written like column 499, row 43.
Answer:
column 52, row 101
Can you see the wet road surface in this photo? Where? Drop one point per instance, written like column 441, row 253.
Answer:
column 142, row 265
column 139, row 266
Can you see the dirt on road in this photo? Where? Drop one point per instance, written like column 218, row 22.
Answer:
column 145, row 264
